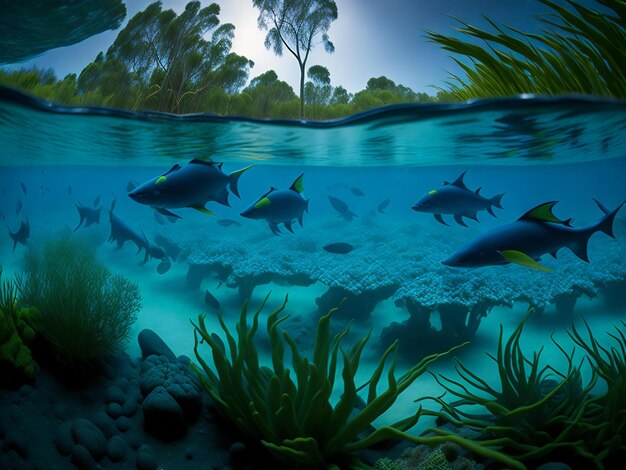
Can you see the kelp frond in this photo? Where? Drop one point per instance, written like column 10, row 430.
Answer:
column 580, row 50
column 289, row 409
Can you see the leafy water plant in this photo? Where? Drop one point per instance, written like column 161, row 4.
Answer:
column 85, row 311
column 528, row 414
column 290, row 411
column 580, row 50
column 606, row 413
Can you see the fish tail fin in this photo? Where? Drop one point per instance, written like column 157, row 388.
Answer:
column 13, row 237
column 579, row 247
column 306, row 206
column 233, row 179
column 605, row 224
column 497, row 200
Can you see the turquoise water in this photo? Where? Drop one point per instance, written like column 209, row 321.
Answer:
column 531, row 149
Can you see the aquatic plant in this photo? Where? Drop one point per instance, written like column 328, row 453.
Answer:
column 605, row 423
column 580, row 50
column 85, row 311
column 16, row 332
column 289, row 410
column 528, row 414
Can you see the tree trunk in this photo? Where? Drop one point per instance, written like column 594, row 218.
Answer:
column 302, row 66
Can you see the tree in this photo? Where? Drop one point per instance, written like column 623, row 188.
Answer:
column 295, row 24
column 340, row 96
column 318, row 90
column 266, row 92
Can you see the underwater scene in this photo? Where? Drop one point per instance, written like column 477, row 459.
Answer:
column 198, row 271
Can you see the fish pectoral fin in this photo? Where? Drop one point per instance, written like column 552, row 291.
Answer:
column 288, row 226
column 439, row 219
column 164, row 211
column 204, row 210
column 459, row 220
column 517, row 257
column 274, row 228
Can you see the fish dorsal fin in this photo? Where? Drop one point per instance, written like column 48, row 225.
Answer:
column 207, row 161
column 171, row 170
column 446, row 183
column 477, row 192
column 272, row 189
column 297, row 185
column 543, row 213
column 220, row 165
column 459, row 181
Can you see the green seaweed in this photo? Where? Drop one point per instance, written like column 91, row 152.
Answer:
column 289, row 410
column 529, row 415
column 580, row 50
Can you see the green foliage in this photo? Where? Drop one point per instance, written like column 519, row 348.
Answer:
column 529, row 414
column 85, row 311
column 580, row 50
column 16, row 331
column 289, row 409
column 295, row 25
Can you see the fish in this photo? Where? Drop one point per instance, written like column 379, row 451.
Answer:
column 18, row 206
column 534, row 234
column 457, row 200
column 96, row 201
column 211, row 301
column 21, row 235
column 228, row 223
column 89, row 215
column 24, row 189
column 171, row 249
column 342, row 208
column 69, row 189
column 280, row 207
column 159, row 218
column 357, row 192
column 340, row 248
column 121, row 232
column 192, row 185
column 383, row 205
column 132, row 184
column 164, row 266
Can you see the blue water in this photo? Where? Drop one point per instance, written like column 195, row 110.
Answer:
column 532, row 149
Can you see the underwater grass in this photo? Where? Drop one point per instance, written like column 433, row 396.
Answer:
column 530, row 415
column 580, row 50
column 289, row 410
column 85, row 312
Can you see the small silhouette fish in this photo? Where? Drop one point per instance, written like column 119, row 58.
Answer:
column 340, row 248
column 21, row 235
column 171, row 249
column 211, row 301
column 357, row 192
column 342, row 208
column 383, row 205
column 96, row 201
column 228, row 223
column 24, row 190
column 164, row 266
column 89, row 215
column 18, row 207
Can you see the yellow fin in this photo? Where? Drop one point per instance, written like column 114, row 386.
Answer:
column 204, row 210
column 262, row 203
column 160, row 179
column 433, row 192
column 517, row 257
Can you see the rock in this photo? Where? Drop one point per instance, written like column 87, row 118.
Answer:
column 122, row 384
column 554, row 466
column 17, row 441
column 123, row 423
column 63, row 439
column 145, row 459
column 163, row 416
column 130, row 407
column 151, row 343
column 25, row 390
column 188, row 453
column 105, row 424
column 87, row 434
column 114, row 410
column 238, row 455
column 116, row 449
column 82, row 459
column 114, row 395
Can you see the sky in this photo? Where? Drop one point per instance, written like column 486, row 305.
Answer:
column 371, row 38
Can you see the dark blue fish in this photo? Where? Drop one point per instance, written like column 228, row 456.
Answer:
column 280, row 207
column 228, row 223
column 525, row 241
column 357, row 192
column 211, row 301
column 192, row 185
column 171, row 249
column 340, row 248
column 96, row 201
column 342, row 208
column 383, row 205
column 89, row 215
column 24, row 190
column 21, row 235
column 121, row 233
column 457, row 200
